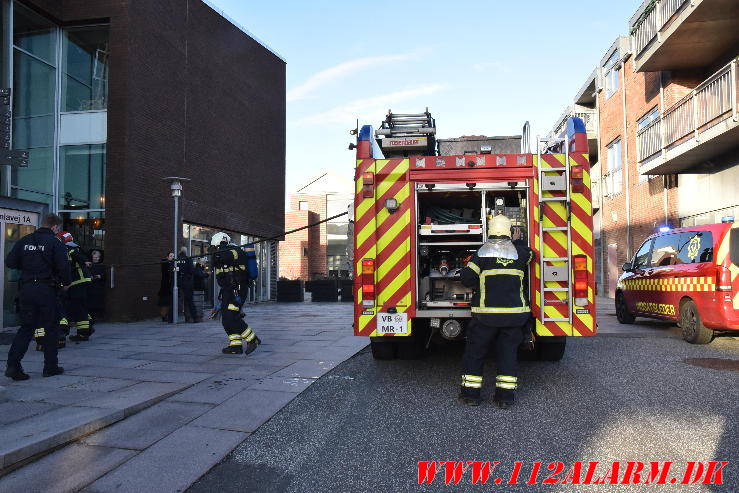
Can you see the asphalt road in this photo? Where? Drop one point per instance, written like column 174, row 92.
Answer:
column 616, row 397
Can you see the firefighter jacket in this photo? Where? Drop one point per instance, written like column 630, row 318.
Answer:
column 230, row 267
column 80, row 270
column 500, row 299
column 40, row 257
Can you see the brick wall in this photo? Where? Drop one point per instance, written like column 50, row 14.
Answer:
column 190, row 95
column 318, row 266
column 293, row 263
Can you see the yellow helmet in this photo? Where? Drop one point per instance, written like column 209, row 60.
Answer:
column 499, row 226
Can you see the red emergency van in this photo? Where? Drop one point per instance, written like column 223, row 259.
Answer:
column 689, row 275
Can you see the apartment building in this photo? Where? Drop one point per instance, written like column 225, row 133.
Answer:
column 667, row 131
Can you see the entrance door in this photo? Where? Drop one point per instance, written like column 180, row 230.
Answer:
column 613, row 269
column 11, row 233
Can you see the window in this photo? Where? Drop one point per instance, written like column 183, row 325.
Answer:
column 85, row 69
column 665, row 250
column 303, row 205
column 641, row 259
column 613, row 178
column 646, row 120
column 305, row 251
column 612, row 74
column 696, row 247
column 82, row 177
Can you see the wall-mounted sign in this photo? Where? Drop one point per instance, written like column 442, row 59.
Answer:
column 19, row 217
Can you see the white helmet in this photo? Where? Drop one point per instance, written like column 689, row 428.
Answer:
column 500, row 226
column 219, row 238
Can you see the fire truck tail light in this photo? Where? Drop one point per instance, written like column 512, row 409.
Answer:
column 576, row 179
column 580, row 263
column 723, row 279
column 368, row 281
column 368, row 185
column 368, row 178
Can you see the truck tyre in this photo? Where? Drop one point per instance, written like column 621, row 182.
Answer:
column 550, row 348
column 623, row 314
column 382, row 349
column 692, row 326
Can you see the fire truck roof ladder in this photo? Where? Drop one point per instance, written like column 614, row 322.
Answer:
column 407, row 125
column 556, row 181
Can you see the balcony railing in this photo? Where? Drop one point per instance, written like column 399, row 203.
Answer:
column 589, row 118
column 712, row 102
column 653, row 21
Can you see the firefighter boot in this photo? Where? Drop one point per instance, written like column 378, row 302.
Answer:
column 252, row 345
column 50, row 372
column 16, row 373
column 234, row 345
column 470, row 396
column 505, row 388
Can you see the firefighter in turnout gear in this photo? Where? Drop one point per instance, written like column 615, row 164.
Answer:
column 77, row 294
column 500, row 310
column 232, row 275
column 44, row 268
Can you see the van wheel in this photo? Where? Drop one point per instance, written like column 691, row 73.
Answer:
column 550, row 348
column 382, row 349
column 623, row 314
column 692, row 326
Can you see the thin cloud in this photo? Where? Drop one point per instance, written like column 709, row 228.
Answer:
column 373, row 107
column 322, row 78
column 487, row 67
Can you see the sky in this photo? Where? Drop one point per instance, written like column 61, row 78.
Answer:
column 481, row 67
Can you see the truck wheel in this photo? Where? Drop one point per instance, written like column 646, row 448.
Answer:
column 623, row 314
column 382, row 349
column 692, row 326
column 550, row 348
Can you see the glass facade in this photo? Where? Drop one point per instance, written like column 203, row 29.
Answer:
column 337, row 255
column 60, row 96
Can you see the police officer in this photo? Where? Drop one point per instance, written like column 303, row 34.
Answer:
column 44, row 270
column 233, row 278
column 77, row 313
column 500, row 310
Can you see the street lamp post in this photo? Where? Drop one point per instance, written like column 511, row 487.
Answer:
column 175, row 185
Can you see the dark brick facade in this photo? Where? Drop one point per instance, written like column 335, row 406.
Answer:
column 190, row 95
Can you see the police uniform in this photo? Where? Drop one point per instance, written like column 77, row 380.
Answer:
column 500, row 310
column 233, row 278
column 44, row 267
column 77, row 313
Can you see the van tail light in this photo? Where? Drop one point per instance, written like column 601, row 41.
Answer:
column 723, row 279
column 580, row 263
column 368, row 282
column 577, row 185
column 368, row 185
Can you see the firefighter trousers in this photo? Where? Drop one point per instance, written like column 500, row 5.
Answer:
column 77, row 309
column 38, row 304
column 479, row 339
column 237, row 329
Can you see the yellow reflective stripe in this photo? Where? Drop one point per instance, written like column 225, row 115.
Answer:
column 518, row 309
column 80, row 281
column 505, row 385
column 63, row 321
column 474, row 385
column 233, row 307
column 234, row 253
column 495, row 272
column 472, row 378
column 474, row 267
column 506, row 378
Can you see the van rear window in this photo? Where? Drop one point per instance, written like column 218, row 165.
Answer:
column 734, row 246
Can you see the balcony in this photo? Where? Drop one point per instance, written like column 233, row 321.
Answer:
column 683, row 34
column 701, row 126
column 589, row 118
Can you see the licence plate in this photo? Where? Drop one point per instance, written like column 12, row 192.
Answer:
column 392, row 323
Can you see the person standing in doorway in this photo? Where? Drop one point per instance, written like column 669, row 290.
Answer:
column 96, row 294
column 45, row 268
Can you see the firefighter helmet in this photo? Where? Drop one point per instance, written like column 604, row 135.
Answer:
column 500, row 226
column 219, row 238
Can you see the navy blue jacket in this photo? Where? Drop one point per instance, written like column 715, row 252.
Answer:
column 40, row 256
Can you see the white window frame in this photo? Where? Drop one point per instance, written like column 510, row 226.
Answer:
column 612, row 71
column 613, row 179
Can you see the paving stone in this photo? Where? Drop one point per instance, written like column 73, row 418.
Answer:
column 136, row 397
column 172, row 464
column 66, row 470
column 307, row 369
column 101, row 384
column 246, row 411
column 11, row 411
column 217, row 389
column 143, row 375
column 211, row 368
column 283, row 384
column 176, row 358
column 149, row 426
column 37, row 434
column 65, row 397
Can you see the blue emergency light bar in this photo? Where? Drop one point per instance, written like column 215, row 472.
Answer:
column 664, row 229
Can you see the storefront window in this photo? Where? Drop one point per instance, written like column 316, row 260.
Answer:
column 85, row 69
column 87, row 228
column 82, row 177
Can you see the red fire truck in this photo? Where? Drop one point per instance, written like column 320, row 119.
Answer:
column 420, row 214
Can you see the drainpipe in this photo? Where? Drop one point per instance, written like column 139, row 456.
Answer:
column 625, row 165
column 603, row 254
column 665, row 180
